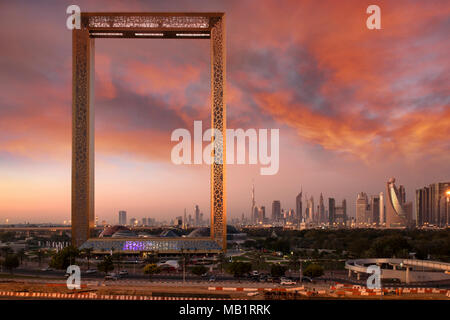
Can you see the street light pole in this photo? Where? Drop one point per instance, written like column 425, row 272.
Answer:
column 184, row 268
column 448, row 204
column 300, row 272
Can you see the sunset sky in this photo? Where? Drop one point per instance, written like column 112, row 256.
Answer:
column 354, row 106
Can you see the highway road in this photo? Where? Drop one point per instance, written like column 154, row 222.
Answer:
column 196, row 280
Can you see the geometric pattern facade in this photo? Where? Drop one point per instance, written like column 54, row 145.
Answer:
column 160, row 245
column 144, row 26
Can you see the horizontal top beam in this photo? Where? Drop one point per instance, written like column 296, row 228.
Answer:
column 150, row 34
column 165, row 14
column 149, row 21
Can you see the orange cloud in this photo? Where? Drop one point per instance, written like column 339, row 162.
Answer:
column 103, row 77
column 413, row 134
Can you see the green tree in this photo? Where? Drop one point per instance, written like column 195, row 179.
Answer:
column 313, row 270
column 64, row 258
column 5, row 251
column 7, row 236
column 106, row 265
column 282, row 245
column 199, row 270
column 151, row 269
column 250, row 244
column 238, row 268
column 11, row 262
column 258, row 261
column 390, row 246
column 277, row 270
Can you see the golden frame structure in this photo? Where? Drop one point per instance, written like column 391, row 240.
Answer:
column 144, row 26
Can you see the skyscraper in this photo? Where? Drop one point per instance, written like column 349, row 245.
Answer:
column 311, row 209
column 255, row 214
column 402, row 194
column 262, row 214
column 398, row 212
column 276, row 210
column 298, row 206
column 179, row 221
column 337, row 215
column 253, row 218
column 431, row 204
column 361, row 208
column 331, row 210
column 197, row 216
column 375, row 208
column 322, row 218
column 340, row 213
column 382, row 214
column 122, row 218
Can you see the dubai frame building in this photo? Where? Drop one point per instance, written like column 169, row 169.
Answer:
column 142, row 26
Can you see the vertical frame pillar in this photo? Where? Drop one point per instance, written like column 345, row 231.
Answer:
column 218, row 122
column 82, row 136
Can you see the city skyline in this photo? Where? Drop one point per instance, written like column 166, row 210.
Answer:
column 256, row 205
column 354, row 107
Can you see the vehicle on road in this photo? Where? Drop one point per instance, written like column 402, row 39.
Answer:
column 111, row 276
column 251, row 277
column 47, row 269
column 252, row 294
column 286, row 281
column 212, row 279
column 306, row 279
column 123, row 273
column 90, row 271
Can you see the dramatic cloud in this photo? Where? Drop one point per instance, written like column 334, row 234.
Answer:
column 370, row 100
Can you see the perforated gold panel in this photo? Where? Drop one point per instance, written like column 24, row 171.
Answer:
column 126, row 25
column 82, row 137
column 218, row 119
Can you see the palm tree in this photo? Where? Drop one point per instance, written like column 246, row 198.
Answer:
column 87, row 252
column 117, row 256
column 21, row 255
column 40, row 255
column 106, row 265
column 222, row 258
